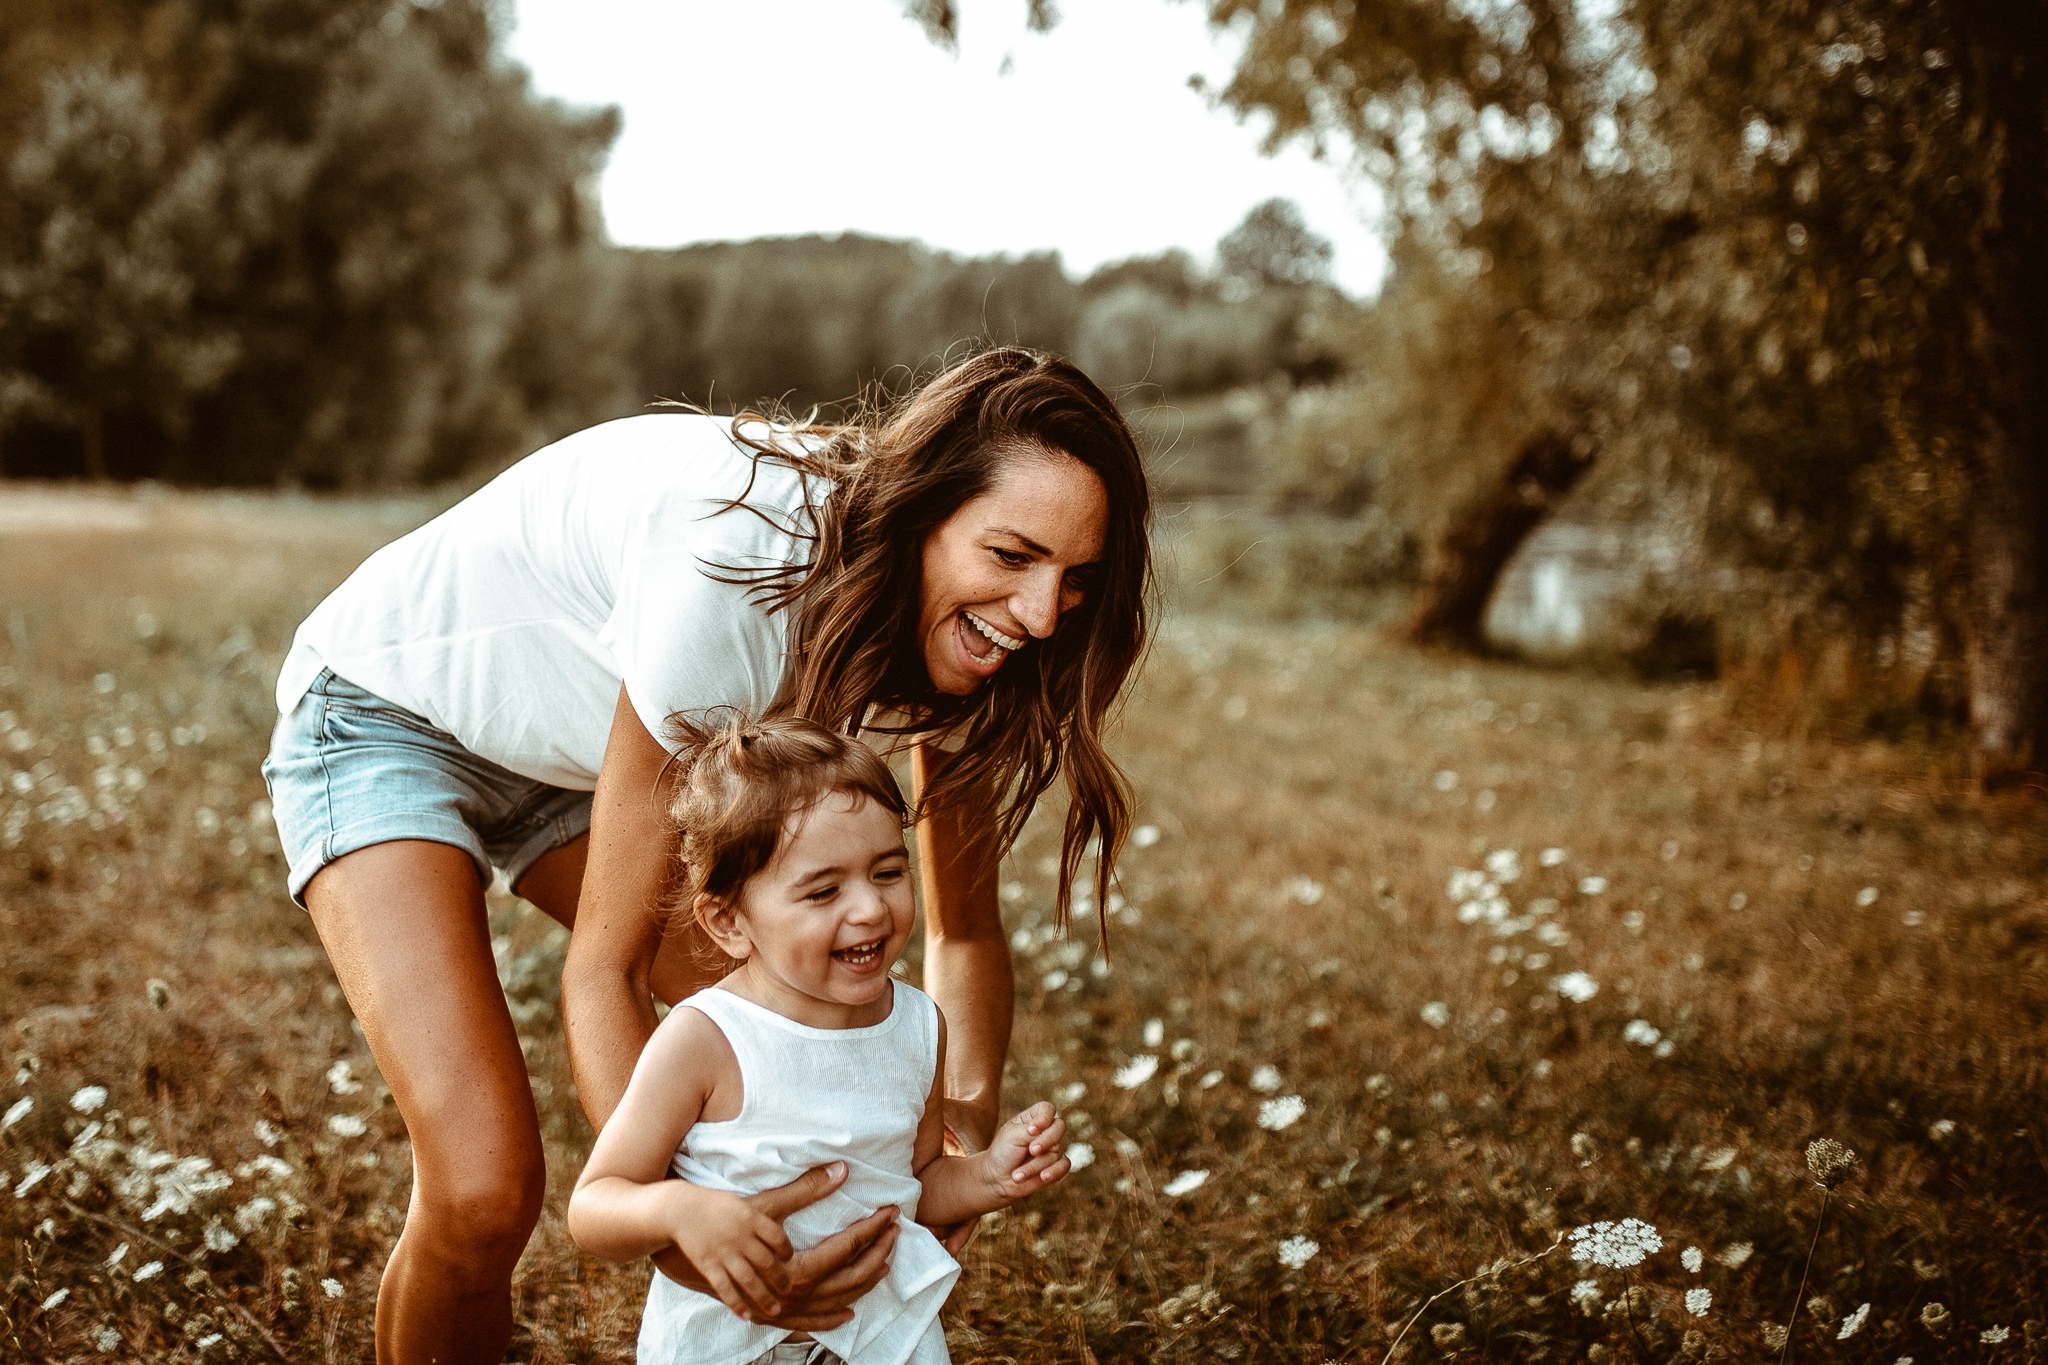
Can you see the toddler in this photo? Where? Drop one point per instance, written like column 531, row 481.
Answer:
column 808, row 1053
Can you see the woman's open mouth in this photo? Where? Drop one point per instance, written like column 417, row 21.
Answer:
column 984, row 645
column 862, row 957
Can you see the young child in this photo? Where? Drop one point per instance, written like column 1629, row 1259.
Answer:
column 807, row 1054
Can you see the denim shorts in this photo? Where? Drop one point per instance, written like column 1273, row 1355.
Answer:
column 348, row 769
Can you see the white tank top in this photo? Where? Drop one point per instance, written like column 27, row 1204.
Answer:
column 810, row 1096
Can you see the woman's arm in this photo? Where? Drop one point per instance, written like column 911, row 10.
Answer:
column 966, row 959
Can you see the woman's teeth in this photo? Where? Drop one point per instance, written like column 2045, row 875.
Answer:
column 1009, row 642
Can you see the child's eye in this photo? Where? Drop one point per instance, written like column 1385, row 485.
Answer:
column 822, row 894
column 891, row 874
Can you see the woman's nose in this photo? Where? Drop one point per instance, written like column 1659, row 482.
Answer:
column 1037, row 603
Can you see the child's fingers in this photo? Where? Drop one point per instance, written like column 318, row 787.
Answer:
column 747, row 1285
column 1031, row 1170
column 1037, row 1116
column 1050, row 1138
column 772, row 1268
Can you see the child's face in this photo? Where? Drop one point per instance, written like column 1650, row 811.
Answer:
column 828, row 916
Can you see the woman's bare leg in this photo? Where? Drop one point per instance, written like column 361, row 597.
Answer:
column 404, row 926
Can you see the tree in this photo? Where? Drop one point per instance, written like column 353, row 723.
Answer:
column 1273, row 247
column 1800, row 240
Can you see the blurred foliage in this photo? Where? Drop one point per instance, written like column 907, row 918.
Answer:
column 1798, row 241
column 330, row 241
column 816, row 319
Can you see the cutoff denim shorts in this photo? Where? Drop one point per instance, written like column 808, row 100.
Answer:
column 348, row 769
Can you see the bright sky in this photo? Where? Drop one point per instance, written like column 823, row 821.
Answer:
column 749, row 118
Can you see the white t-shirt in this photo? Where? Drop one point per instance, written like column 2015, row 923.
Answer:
column 511, row 619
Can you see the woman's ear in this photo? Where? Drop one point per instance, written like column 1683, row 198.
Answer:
column 721, row 921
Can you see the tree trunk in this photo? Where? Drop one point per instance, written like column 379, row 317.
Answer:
column 2006, row 47
column 1486, row 534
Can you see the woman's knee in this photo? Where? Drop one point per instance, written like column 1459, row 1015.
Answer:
column 483, row 1211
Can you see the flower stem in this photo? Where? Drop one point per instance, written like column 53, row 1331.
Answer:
column 1461, row 1284
column 1628, row 1307
column 1800, row 1297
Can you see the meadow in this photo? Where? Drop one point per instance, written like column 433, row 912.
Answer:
column 1418, row 965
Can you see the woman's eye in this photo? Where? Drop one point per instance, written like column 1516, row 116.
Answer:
column 1010, row 558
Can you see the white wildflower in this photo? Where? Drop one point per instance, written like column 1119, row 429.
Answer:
column 1209, row 1080
column 1586, row 1296
column 1991, row 1336
column 1692, row 1258
column 1155, row 1032
column 1187, row 1182
column 149, row 1270
column 1592, row 886
column 1128, row 1147
column 107, row 1339
column 181, row 1184
column 1445, row 780
column 331, row 1288
column 1504, row 865
column 1615, row 1245
column 210, row 1339
column 1305, row 890
column 1080, row 1156
column 340, row 1081
column 1465, row 883
column 268, row 1133
column 56, row 1299
column 1297, row 1252
column 1867, row 897
column 1941, row 1129
column 1698, row 1301
column 1136, row 1072
column 1552, row 857
column 1436, row 1014
column 1265, row 1078
column 1853, row 1323
column 1055, row 979
column 251, row 1215
column 1719, row 1159
column 30, row 1178
column 1144, row 836
column 264, row 1165
column 1640, row 1032
column 1577, row 987
column 1275, row 1115
column 1069, row 1093
column 346, row 1125
column 88, row 1099
column 16, row 1112
column 115, row 1258
column 219, row 1239
column 1735, row 1256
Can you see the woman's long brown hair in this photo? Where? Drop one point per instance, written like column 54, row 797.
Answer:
column 856, row 661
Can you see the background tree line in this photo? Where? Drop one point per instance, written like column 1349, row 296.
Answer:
column 341, row 243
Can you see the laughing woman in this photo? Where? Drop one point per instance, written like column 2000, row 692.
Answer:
column 967, row 577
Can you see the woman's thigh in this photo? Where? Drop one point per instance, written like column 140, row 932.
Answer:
column 404, row 925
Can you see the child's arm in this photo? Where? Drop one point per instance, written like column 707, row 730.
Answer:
column 1024, row 1158
column 624, row 1207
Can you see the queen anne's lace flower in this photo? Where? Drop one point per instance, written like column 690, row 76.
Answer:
column 1266, row 1078
column 1187, row 1182
column 1297, row 1252
column 1615, row 1245
column 1136, row 1072
column 1830, row 1162
column 1577, row 987
column 1275, row 1115
column 1080, row 1156
column 1698, row 1301
column 1853, row 1323
column 331, row 1288
column 88, row 1099
column 1692, row 1259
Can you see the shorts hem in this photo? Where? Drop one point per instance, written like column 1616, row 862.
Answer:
column 562, row 830
column 386, row 829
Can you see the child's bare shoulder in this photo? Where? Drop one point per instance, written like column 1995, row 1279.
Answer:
column 688, row 1046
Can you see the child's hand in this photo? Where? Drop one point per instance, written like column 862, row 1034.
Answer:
column 1026, row 1155
column 740, row 1251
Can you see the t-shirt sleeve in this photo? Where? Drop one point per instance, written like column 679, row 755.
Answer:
column 683, row 639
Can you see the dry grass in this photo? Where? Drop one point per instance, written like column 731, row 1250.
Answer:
column 1456, row 1112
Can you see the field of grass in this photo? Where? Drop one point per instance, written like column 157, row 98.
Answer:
column 1423, row 964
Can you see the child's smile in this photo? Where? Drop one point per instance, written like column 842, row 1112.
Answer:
column 819, row 927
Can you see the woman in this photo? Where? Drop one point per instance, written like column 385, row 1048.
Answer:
column 968, row 576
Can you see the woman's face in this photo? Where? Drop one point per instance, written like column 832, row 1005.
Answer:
column 1001, row 571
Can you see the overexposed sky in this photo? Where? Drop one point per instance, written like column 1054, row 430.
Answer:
column 749, row 118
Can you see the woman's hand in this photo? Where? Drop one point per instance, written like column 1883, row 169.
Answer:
column 753, row 1270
